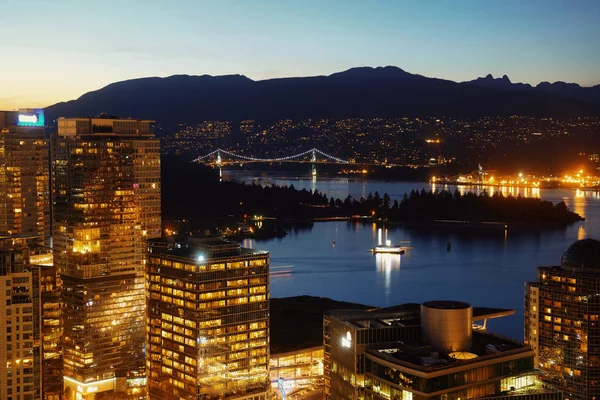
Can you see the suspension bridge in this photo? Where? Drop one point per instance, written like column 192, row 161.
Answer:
column 220, row 157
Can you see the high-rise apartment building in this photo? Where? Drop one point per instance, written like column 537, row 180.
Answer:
column 562, row 320
column 208, row 321
column 106, row 187
column 24, row 230
column 20, row 361
column 51, row 331
column 432, row 351
column 24, row 177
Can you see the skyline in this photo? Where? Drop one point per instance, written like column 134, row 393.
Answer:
column 63, row 51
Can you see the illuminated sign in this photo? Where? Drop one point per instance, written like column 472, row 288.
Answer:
column 347, row 341
column 28, row 119
column 31, row 117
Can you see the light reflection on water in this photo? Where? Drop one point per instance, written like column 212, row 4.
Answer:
column 485, row 267
column 386, row 264
column 504, row 190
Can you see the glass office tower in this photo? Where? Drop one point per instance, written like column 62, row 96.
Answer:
column 24, row 176
column 51, row 329
column 24, row 230
column 106, row 186
column 208, row 321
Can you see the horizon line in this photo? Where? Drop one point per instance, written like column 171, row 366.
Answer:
column 302, row 76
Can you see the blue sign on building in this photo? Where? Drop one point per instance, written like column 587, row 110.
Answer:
column 31, row 117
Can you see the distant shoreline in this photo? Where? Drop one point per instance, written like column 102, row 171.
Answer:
column 438, row 224
column 445, row 223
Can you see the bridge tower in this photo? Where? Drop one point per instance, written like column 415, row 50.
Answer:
column 219, row 163
column 314, row 163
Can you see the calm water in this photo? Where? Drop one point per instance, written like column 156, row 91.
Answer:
column 485, row 268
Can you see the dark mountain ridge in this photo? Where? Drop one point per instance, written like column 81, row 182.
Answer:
column 568, row 90
column 358, row 92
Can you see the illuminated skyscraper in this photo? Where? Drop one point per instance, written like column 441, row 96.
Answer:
column 106, row 186
column 50, row 324
column 24, row 230
column 562, row 320
column 24, row 177
column 20, row 361
column 208, row 321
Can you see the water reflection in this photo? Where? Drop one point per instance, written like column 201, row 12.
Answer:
column 386, row 264
column 364, row 192
column 581, row 233
column 577, row 202
column 483, row 267
column 504, row 190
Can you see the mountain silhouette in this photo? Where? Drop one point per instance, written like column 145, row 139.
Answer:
column 568, row 90
column 363, row 92
column 503, row 83
column 572, row 90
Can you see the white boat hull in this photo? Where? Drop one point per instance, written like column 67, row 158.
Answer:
column 388, row 250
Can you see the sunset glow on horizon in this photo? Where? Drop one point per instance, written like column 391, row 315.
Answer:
column 57, row 51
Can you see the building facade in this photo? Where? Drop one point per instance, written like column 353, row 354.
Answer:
column 24, row 231
column 430, row 352
column 207, row 320
column 106, row 187
column 562, row 311
column 20, row 360
column 24, row 175
column 297, row 372
column 51, row 328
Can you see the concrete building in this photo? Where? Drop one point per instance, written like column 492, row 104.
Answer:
column 207, row 320
column 106, row 187
column 562, row 320
column 431, row 351
column 24, row 176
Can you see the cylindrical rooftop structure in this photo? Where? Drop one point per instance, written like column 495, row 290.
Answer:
column 447, row 325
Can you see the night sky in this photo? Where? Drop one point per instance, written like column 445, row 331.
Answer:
column 55, row 51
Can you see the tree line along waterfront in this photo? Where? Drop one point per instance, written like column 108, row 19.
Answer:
column 194, row 193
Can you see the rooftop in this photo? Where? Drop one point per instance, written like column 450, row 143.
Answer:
column 297, row 322
column 199, row 249
column 582, row 255
column 408, row 313
column 418, row 355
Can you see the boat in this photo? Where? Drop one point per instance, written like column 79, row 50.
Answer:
column 388, row 248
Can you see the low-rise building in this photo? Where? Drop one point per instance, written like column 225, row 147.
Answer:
column 297, row 372
column 432, row 351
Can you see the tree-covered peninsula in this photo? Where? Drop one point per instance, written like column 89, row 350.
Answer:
column 195, row 193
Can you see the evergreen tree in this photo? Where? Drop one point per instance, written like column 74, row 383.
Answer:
column 386, row 201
